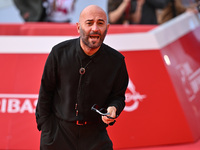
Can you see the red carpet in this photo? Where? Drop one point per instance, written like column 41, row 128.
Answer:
column 190, row 146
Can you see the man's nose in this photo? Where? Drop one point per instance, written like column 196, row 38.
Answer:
column 95, row 27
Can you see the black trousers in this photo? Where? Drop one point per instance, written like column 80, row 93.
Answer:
column 61, row 135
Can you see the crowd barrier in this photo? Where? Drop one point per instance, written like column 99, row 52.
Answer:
column 163, row 95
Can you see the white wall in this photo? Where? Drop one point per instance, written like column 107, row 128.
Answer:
column 8, row 12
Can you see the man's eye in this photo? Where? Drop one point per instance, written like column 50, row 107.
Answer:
column 100, row 23
column 88, row 23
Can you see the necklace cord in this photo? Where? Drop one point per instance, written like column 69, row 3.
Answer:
column 82, row 72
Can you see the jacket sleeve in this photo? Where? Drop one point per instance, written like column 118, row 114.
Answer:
column 46, row 93
column 117, row 98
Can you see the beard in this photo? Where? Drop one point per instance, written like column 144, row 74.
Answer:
column 89, row 42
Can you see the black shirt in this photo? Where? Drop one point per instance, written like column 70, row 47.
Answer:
column 62, row 86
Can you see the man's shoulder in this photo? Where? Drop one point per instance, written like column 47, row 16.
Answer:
column 113, row 52
column 64, row 44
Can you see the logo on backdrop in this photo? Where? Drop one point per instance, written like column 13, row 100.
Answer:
column 26, row 103
column 190, row 79
column 133, row 98
column 18, row 103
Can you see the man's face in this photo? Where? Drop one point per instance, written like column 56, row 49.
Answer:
column 93, row 28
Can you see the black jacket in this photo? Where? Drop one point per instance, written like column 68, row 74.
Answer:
column 104, row 82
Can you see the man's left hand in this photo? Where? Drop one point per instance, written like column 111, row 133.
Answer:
column 112, row 111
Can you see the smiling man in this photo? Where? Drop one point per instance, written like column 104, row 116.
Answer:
column 78, row 74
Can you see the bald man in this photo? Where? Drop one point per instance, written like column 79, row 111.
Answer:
column 78, row 74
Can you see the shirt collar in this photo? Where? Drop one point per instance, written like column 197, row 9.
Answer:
column 81, row 54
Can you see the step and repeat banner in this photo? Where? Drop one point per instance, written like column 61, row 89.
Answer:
column 163, row 95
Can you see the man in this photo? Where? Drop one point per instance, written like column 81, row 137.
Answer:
column 140, row 11
column 125, row 11
column 149, row 15
column 31, row 11
column 78, row 74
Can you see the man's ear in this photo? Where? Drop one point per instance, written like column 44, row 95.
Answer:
column 78, row 27
column 108, row 25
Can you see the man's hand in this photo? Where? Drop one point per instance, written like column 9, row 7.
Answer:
column 112, row 110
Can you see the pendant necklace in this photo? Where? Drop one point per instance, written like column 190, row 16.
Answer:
column 82, row 69
column 82, row 72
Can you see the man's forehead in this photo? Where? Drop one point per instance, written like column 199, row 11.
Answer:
column 93, row 13
column 94, row 16
column 95, row 19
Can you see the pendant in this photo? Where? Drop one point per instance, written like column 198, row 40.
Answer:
column 82, row 70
